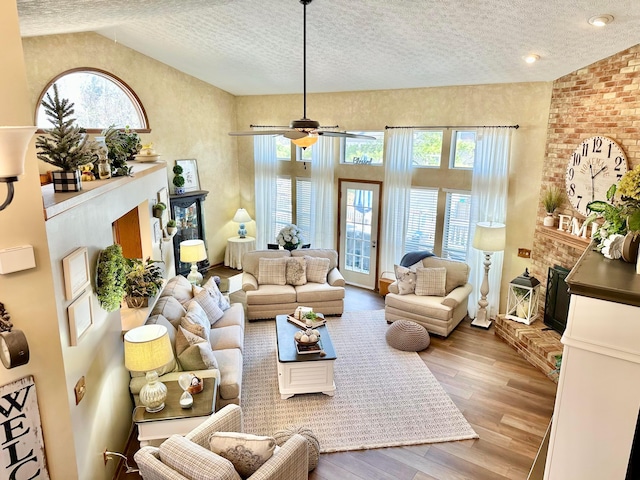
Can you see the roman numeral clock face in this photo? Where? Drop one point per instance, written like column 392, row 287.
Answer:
column 594, row 166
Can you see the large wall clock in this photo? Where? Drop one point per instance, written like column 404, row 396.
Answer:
column 594, row 166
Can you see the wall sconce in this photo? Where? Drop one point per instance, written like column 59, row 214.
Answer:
column 14, row 142
column 242, row 217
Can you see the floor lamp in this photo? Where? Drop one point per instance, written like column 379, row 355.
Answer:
column 490, row 237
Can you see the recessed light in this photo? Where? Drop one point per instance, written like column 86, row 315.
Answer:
column 601, row 20
column 532, row 58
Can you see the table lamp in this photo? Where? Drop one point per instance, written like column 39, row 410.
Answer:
column 242, row 217
column 489, row 237
column 146, row 349
column 193, row 251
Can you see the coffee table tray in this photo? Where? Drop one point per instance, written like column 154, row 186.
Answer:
column 303, row 349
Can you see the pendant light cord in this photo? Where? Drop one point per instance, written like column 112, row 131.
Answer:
column 304, row 60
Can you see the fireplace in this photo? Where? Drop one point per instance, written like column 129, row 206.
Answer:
column 556, row 307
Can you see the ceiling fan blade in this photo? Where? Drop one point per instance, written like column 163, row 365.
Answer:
column 347, row 135
column 294, row 134
column 258, row 132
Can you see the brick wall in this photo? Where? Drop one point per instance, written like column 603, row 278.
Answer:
column 601, row 99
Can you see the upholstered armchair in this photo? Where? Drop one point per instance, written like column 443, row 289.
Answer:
column 433, row 292
column 189, row 457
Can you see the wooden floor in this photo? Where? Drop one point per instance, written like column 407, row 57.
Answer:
column 507, row 401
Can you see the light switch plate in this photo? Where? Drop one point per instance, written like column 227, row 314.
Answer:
column 80, row 390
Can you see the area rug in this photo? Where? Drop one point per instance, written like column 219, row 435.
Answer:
column 384, row 397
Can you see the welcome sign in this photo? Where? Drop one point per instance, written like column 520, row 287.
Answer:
column 22, row 455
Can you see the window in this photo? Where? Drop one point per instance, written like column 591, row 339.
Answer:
column 421, row 221
column 283, row 148
column 282, row 214
column 427, row 148
column 456, row 226
column 303, row 207
column 304, row 155
column 358, row 151
column 100, row 100
column 463, row 149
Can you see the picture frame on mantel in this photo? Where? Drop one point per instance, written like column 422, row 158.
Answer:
column 190, row 174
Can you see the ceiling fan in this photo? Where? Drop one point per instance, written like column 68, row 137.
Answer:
column 303, row 132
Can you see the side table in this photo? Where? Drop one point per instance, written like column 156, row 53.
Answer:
column 236, row 247
column 173, row 419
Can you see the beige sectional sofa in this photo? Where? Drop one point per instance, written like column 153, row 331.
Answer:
column 271, row 292
column 226, row 338
column 439, row 313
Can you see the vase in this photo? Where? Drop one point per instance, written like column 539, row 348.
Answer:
column 289, row 246
column 549, row 220
column 630, row 247
column 66, row 181
column 137, row 302
column 179, row 190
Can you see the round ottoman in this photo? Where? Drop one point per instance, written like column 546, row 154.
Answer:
column 408, row 336
column 313, row 447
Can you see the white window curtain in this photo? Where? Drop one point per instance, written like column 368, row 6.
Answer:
column 488, row 204
column 266, row 170
column 323, row 208
column 397, row 189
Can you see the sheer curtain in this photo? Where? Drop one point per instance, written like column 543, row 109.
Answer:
column 488, row 204
column 266, row 170
column 397, row 188
column 323, row 208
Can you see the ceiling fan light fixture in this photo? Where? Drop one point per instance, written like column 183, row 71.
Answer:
column 601, row 20
column 532, row 58
column 304, row 124
column 305, row 142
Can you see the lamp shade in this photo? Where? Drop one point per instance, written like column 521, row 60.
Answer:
column 192, row 251
column 147, row 348
column 14, row 142
column 305, row 142
column 241, row 216
column 489, row 237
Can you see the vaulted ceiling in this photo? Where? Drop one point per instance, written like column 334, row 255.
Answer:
column 254, row 47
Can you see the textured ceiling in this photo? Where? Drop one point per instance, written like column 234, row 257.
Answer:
column 250, row 47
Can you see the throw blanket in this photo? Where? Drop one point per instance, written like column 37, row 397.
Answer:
column 412, row 258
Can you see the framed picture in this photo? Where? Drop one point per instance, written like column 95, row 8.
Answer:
column 80, row 317
column 163, row 196
column 190, row 174
column 76, row 272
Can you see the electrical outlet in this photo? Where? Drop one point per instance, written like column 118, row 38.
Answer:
column 80, row 390
column 524, row 253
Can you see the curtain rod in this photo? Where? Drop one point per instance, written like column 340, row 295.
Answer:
column 287, row 126
column 458, row 126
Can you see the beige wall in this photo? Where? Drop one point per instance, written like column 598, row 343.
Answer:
column 188, row 118
column 526, row 104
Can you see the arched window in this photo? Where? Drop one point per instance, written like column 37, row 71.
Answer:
column 100, row 100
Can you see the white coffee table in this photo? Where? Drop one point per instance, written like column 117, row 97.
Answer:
column 173, row 419
column 303, row 373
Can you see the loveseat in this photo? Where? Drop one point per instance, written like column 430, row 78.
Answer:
column 207, row 336
column 277, row 281
column 182, row 458
column 433, row 293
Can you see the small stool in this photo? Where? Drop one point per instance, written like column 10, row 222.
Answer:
column 313, row 446
column 408, row 336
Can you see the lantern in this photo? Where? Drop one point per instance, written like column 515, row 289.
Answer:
column 522, row 300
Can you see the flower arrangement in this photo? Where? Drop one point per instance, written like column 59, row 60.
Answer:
column 290, row 237
column 621, row 214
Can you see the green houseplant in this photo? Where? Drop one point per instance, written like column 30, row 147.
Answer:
column 171, row 226
column 158, row 209
column 111, row 273
column 552, row 199
column 144, row 279
column 123, row 146
column 178, row 179
column 66, row 145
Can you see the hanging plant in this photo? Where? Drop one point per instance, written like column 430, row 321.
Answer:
column 111, row 275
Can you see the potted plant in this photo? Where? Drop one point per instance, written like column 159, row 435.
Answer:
column 171, row 226
column 143, row 280
column 158, row 209
column 123, row 146
column 552, row 199
column 66, row 146
column 110, row 277
column 178, row 180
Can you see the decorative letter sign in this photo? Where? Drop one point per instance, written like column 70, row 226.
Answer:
column 22, row 456
column 573, row 226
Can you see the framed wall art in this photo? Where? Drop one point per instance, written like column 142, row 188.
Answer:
column 190, row 174
column 80, row 317
column 76, row 273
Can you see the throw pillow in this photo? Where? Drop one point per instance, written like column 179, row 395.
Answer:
column 197, row 316
column 179, row 288
column 406, row 279
column 209, row 305
column 169, row 308
column 317, row 269
column 272, row 271
column 247, row 452
column 193, row 461
column 211, row 286
column 431, row 281
column 296, row 271
column 194, row 352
